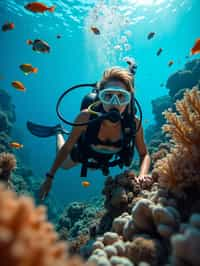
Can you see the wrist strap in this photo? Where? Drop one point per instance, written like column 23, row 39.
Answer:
column 49, row 176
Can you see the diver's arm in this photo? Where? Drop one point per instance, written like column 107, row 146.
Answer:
column 145, row 159
column 69, row 144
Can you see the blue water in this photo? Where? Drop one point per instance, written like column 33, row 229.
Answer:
column 79, row 56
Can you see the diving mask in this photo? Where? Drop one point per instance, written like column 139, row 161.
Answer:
column 114, row 96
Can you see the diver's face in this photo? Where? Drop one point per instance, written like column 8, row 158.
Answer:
column 120, row 108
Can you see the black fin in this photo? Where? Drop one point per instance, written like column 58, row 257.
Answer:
column 44, row 131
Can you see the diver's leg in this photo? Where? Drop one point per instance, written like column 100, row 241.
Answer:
column 68, row 163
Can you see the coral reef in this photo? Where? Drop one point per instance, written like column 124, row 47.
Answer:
column 185, row 78
column 7, row 165
column 186, row 244
column 26, row 238
column 177, row 83
column 7, row 118
column 141, row 235
column 120, row 192
column 180, row 168
column 158, row 106
column 78, row 219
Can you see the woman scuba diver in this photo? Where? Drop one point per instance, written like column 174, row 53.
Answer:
column 105, row 129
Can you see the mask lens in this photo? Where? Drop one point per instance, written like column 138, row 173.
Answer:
column 114, row 95
column 108, row 96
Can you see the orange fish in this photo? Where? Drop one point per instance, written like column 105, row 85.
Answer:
column 95, row 30
column 16, row 145
column 28, row 68
column 170, row 63
column 37, row 7
column 8, row 26
column 85, row 184
column 196, row 47
column 18, row 85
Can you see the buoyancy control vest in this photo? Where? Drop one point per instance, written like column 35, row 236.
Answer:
column 103, row 161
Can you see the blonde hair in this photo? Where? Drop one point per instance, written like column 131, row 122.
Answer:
column 117, row 74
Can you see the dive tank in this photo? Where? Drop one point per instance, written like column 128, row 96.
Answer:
column 88, row 100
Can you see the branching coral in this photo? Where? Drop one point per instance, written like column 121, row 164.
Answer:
column 25, row 237
column 181, row 168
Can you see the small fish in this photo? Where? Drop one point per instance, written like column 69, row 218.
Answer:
column 37, row 7
column 18, row 85
column 58, row 36
column 150, row 35
column 196, row 47
column 8, row 26
column 85, row 183
column 159, row 51
column 170, row 63
column 95, row 30
column 39, row 46
column 16, row 145
column 28, row 68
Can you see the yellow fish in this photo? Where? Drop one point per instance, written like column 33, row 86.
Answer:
column 16, row 145
column 85, row 184
column 28, row 68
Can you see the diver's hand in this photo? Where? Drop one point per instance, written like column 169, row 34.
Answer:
column 45, row 188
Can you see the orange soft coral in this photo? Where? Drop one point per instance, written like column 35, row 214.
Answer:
column 181, row 167
column 25, row 237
